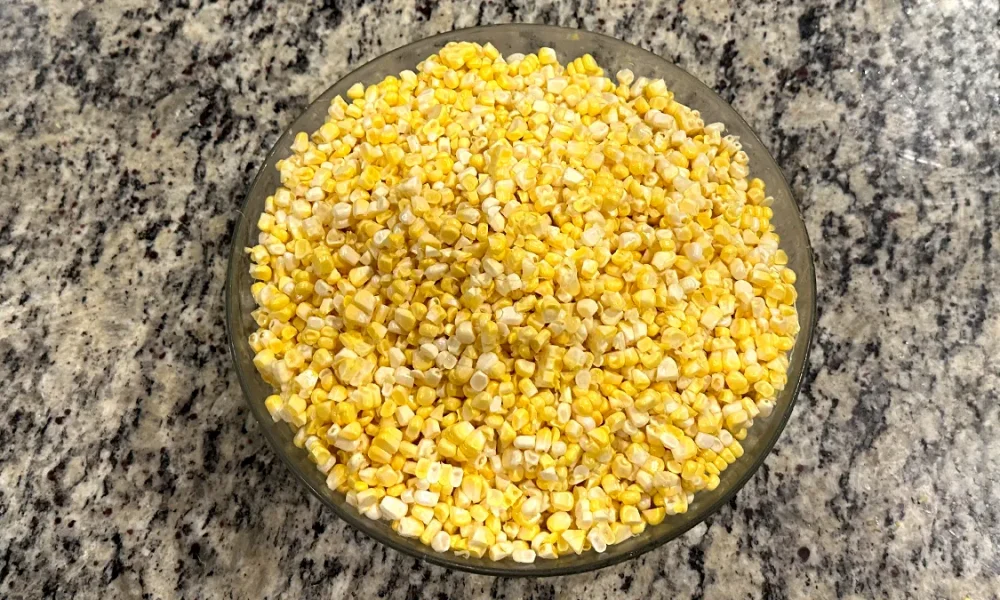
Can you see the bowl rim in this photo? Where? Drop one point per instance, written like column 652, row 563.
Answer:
column 545, row 568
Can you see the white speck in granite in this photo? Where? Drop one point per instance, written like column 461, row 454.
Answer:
column 130, row 467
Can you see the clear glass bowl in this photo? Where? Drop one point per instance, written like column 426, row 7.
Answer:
column 612, row 55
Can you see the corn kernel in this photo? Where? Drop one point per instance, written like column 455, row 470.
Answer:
column 517, row 308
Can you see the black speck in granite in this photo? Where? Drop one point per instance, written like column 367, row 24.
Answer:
column 129, row 132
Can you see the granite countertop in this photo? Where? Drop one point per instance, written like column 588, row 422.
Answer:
column 130, row 467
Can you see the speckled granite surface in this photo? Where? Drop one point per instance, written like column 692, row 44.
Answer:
column 129, row 466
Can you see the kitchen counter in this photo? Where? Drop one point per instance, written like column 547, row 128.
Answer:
column 130, row 466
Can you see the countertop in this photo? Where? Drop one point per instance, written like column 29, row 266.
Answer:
column 130, row 466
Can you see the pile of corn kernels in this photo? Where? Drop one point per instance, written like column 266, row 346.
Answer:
column 518, row 309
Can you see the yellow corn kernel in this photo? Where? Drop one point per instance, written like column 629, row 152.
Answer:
column 584, row 297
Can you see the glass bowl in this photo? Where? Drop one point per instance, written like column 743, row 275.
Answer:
column 612, row 55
